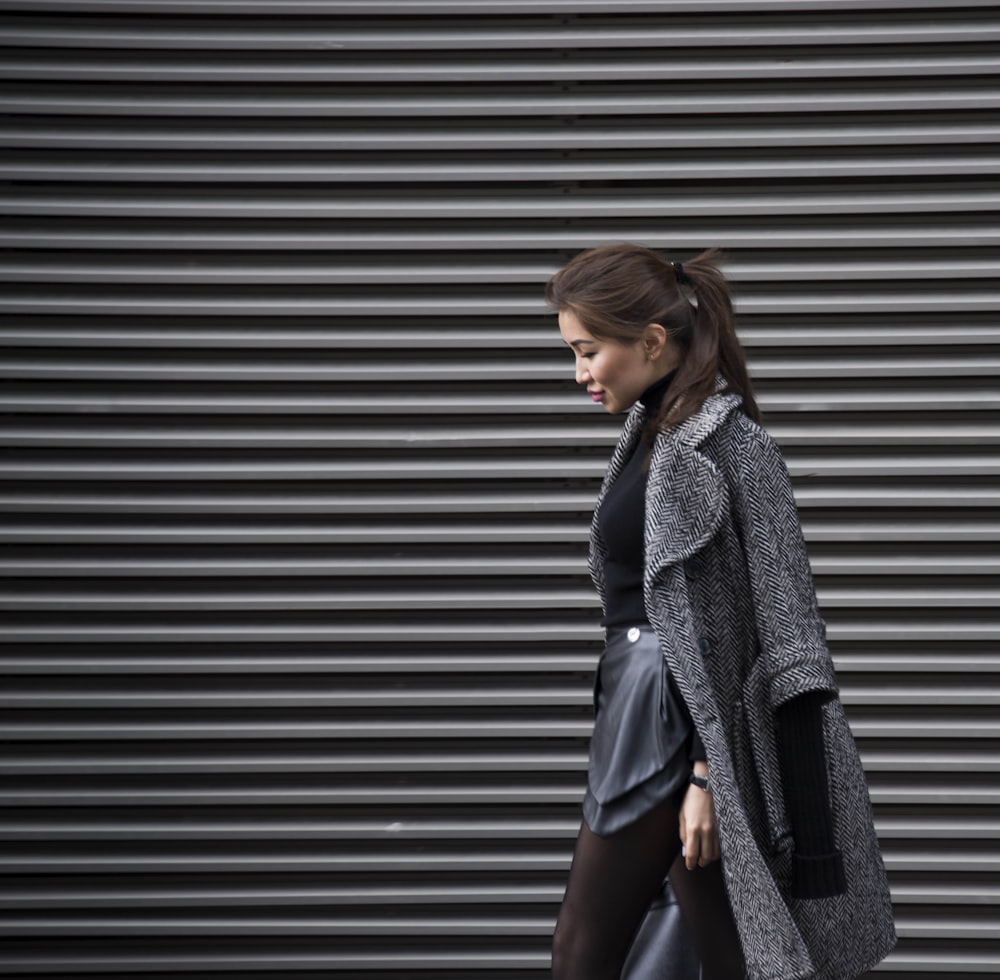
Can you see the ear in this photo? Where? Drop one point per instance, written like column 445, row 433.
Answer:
column 654, row 339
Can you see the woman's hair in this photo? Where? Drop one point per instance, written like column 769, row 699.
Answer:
column 616, row 291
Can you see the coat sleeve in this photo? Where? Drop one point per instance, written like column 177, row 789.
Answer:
column 790, row 631
column 792, row 639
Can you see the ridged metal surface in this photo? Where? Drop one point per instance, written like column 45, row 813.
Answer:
column 297, row 481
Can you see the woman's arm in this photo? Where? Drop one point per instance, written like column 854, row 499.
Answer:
column 698, row 829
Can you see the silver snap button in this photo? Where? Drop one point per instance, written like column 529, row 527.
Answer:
column 633, row 634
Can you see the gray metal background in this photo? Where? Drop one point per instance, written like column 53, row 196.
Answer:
column 298, row 481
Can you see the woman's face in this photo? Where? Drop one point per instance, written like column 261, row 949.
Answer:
column 615, row 374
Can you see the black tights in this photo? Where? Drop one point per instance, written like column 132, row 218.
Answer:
column 612, row 882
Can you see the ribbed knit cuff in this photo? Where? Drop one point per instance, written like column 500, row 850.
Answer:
column 818, row 877
column 803, row 774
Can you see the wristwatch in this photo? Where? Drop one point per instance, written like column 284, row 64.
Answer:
column 700, row 781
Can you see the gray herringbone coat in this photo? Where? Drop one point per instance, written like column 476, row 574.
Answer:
column 729, row 592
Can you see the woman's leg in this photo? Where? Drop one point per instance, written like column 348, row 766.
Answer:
column 701, row 894
column 611, row 884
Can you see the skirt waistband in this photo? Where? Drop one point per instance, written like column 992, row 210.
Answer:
column 614, row 634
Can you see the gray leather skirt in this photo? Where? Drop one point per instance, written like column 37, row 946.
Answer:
column 639, row 749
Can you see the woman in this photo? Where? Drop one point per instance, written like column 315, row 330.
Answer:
column 719, row 732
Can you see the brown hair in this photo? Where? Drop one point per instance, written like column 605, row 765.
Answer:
column 616, row 291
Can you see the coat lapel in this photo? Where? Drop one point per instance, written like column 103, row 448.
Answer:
column 685, row 494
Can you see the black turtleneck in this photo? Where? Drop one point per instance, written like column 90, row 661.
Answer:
column 621, row 522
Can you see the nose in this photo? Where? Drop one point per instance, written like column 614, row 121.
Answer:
column 582, row 374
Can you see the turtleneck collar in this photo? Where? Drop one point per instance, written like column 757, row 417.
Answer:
column 652, row 397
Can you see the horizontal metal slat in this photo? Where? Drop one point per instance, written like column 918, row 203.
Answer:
column 279, row 469
column 318, row 67
column 399, row 862
column 154, row 632
column 125, row 270
column 914, row 662
column 348, row 600
column 938, row 662
column 920, row 339
column 449, row 600
column 284, row 961
column 923, row 761
column 572, row 531
column 528, row 796
column 124, row 234
column 467, row 7
column 543, row 696
column 510, row 501
column 291, row 400
column 267, row 728
column 315, row 861
column 415, row 778
column 297, row 925
column 491, row 893
column 380, row 664
column 277, row 566
column 944, row 728
column 352, row 533
column 320, row 469
column 305, row 829
column 51, row 502
column 310, row 828
column 265, row 437
column 396, row 205
column 232, row 168
column 153, row 101
column 278, row 301
column 425, row 370
column 673, row 32
column 480, row 773
column 522, row 436
column 276, row 896
column 480, row 631
column 277, row 137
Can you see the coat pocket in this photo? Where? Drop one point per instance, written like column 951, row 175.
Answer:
column 757, row 756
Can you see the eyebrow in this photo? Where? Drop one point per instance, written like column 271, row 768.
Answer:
column 576, row 343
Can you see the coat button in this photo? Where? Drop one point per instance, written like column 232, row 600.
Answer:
column 633, row 634
column 704, row 647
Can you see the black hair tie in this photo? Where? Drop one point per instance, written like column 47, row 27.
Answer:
column 679, row 274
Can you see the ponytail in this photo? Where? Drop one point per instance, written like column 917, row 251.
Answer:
column 709, row 347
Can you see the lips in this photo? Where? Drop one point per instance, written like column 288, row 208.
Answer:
column 596, row 396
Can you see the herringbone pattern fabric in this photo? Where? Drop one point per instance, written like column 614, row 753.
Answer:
column 729, row 591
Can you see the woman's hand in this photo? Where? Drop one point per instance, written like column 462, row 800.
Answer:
column 699, row 833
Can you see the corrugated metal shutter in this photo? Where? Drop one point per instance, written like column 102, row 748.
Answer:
column 298, row 481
